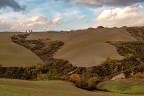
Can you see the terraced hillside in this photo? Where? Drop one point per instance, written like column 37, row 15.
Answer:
column 12, row 54
column 85, row 48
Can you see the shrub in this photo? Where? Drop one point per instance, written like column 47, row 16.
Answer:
column 109, row 67
column 75, row 78
column 129, row 56
column 92, row 82
column 83, row 85
column 100, row 27
column 51, row 76
column 13, row 72
column 44, row 69
column 31, row 72
column 90, row 28
column 138, row 75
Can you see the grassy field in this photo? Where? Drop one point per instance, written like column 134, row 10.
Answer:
column 12, row 54
column 10, row 87
column 128, row 86
column 87, row 47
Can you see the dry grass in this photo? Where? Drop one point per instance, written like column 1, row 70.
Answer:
column 87, row 47
column 10, row 87
column 12, row 54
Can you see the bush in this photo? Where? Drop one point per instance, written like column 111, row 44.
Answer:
column 109, row 67
column 129, row 56
column 51, row 76
column 92, row 82
column 138, row 75
column 75, row 78
column 31, row 72
column 100, row 27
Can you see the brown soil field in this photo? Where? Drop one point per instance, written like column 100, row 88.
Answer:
column 85, row 48
column 12, row 54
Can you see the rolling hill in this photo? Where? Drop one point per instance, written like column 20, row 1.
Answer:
column 83, row 48
column 125, row 86
column 12, row 54
column 12, row 87
column 86, row 48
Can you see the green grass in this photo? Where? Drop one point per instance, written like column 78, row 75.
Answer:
column 12, row 54
column 12, row 87
column 127, row 86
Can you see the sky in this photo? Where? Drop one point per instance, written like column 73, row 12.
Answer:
column 42, row 15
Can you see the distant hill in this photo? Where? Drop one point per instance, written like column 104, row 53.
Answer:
column 12, row 54
column 87, row 47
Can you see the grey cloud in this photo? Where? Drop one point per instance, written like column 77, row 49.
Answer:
column 100, row 3
column 12, row 4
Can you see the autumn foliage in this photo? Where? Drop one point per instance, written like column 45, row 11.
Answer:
column 75, row 78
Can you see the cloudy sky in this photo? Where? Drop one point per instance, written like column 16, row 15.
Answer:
column 21, row 15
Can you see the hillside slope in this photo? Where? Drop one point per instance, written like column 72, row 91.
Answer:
column 124, row 86
column 11, row 87
column 87, row 47
column 12, row 54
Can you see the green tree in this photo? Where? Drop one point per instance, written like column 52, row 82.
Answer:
column 92, row 82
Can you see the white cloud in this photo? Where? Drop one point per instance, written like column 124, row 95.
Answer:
column 129, row 16
column 4, row 25
column 81, row 17
column 57, row 20
column 33, row 23
column 71, row 12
